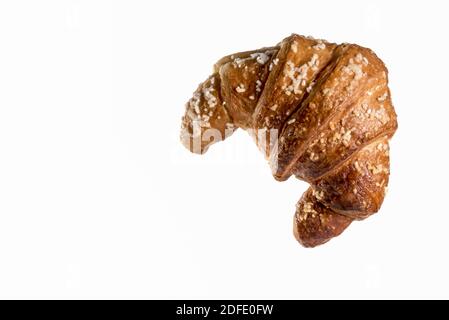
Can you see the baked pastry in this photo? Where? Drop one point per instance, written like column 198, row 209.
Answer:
column 317, row 110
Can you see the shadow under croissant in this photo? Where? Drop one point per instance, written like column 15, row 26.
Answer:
column 319, row 111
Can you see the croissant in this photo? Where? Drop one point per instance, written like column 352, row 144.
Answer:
column 317, row 110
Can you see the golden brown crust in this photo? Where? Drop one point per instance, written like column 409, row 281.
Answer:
column 356, row 188
column 293, row 75
column 315, row 224
column 334, row 121
column 205, row 110
column 238, row 86
column 317, row 110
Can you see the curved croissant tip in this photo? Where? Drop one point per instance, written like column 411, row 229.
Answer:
column 306, row 242
column 280, row 175
column 188, row 142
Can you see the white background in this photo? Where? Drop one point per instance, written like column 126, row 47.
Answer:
column 98, row 199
